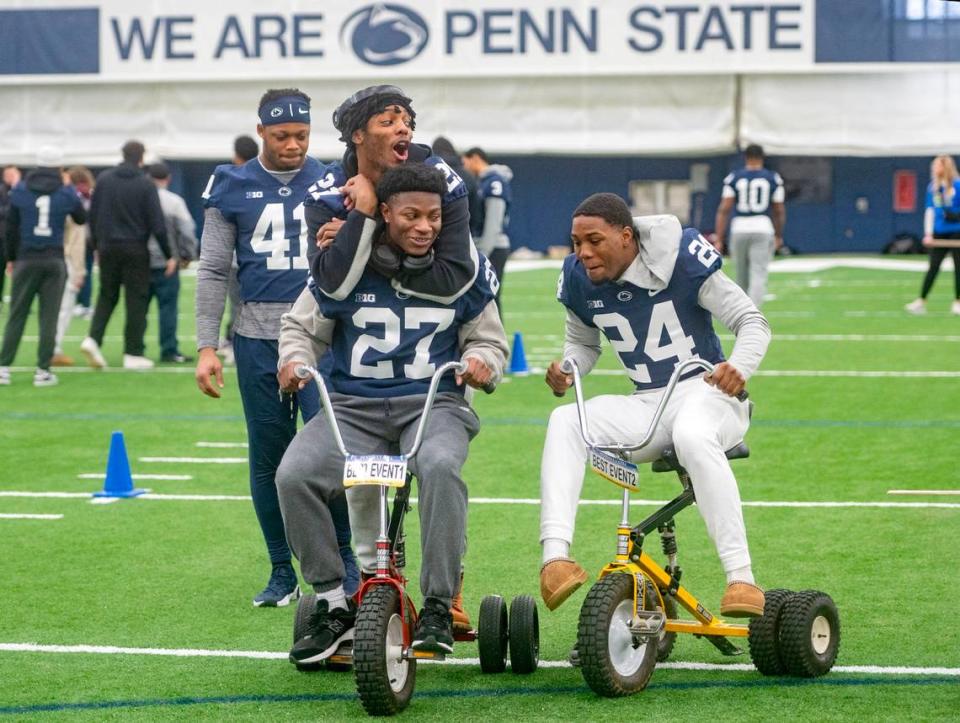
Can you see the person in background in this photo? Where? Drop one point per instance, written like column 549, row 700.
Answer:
column 164, row 283
column 489, row 228
column 11, row 177
column 941, row 221
column 124, row 211
column 39, row 207
column 756, row 231
column 75, row 243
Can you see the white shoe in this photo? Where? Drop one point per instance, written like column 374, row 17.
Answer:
column 44, row 378
column 136, row 362
column 5, row 376
column 955, row 308
column 91, row 350
column 918, row 306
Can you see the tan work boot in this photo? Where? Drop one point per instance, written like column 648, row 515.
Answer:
column 559, row 579
column 461, row 621
column 742, row 600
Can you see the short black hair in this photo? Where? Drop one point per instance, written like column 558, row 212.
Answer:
column 274, row 93
column 355, row 111
column 411, row 178
column 160, row 171
column 754, row 151
column 133, row 152
column 608, row 206
column 245, row 148
column 443, row 147
column 476, row 151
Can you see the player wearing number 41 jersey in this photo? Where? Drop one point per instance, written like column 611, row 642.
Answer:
column 651, row 289
column 256, row 210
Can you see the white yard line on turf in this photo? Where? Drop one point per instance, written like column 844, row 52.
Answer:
column 526, row 501
column 9, row 516
column 196, row 460
column 223, row 445
column 272, row 655
column 101, row 475
column 923, row 492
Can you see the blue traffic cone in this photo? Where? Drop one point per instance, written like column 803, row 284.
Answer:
column 518, row 360
column 118, row 481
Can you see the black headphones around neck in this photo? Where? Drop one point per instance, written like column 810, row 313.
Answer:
column 390, row 261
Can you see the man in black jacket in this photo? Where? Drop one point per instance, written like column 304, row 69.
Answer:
column 124, row 212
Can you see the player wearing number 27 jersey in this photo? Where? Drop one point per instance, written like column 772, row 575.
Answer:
column 652, row 289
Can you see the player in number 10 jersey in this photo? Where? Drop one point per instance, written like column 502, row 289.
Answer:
column 256, row 210
column 651, row 289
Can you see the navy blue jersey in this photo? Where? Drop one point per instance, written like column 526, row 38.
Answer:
column 753, row 190
column 272, row 238
column 387, row 344
column 43, row 215
column 492, row 184
column 650, row 331
column 326, row 191
column 941, row 202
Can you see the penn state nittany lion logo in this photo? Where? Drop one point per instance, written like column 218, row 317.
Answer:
column 385, row 34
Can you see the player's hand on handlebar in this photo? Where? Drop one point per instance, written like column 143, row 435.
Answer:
column 557, row 379
column 727, row 378
column 328, row 232
column 288, row 379
column 477, row 373
column 209, row 365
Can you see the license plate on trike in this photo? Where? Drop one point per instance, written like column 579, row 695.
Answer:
column 610, row 467
column 379, row 469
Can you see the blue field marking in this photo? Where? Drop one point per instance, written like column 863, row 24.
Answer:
column 465, row 694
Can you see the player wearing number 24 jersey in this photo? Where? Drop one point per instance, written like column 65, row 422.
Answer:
column 652, row 289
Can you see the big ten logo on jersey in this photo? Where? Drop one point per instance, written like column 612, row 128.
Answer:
column 753, row 194
column 491, row 276
column 418, row 328
column 253, row 194
column 271, row 236
column 451, row 176
column 703, row 250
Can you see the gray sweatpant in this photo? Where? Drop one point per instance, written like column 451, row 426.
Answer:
column 752, row 253
column 311, row 474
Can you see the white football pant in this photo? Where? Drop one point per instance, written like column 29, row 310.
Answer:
column 700, row 421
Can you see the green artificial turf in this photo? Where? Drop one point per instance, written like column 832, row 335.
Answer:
column 181, row 574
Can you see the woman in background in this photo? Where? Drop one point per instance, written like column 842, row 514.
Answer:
column 941, row 221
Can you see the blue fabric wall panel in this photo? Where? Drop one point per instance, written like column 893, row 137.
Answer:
column 54, row 41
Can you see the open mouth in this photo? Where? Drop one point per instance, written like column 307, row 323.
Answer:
column 400, row 150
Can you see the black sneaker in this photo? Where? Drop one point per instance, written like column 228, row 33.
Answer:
column 434, row 631
column 326, row 629
column 281, row 589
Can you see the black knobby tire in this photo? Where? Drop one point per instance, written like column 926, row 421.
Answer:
column 524, row 635
column 492, row 633
column 305, row 607
column 764, row 635
column 667, row 640
column 809, row 634
column 384, row 684
column 611, row 665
